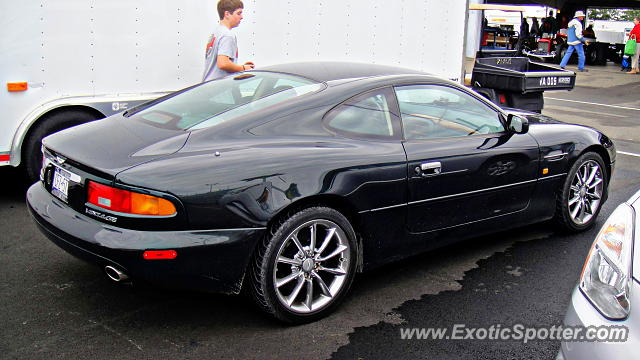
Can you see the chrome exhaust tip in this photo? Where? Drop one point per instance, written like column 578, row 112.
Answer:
column 115, row 274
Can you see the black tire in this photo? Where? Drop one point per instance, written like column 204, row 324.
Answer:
column 561, row 49
column 571, row 190
column 489, row 94
column 266, row 266
column 49, row 124
column 601, row 50
column 591, row 54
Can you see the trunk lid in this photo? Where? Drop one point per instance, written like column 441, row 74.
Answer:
column 93, row 147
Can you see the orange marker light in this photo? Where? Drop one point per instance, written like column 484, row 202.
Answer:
column 160, row 255
column 17, row 86
column 545, row 171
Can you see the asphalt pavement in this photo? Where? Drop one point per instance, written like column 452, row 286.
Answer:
column 55, row 306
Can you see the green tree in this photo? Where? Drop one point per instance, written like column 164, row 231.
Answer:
column 613, row 14
column 630, row 14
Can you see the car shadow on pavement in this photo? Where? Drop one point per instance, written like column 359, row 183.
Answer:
column 14, row 183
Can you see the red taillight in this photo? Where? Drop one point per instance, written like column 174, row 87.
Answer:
column 109, row 198
column 160, row 254
column 5, row 157
column 128, row 202
column 502, row 98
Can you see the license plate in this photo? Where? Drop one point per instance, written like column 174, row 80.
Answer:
column 61, row 179
column 549, row 81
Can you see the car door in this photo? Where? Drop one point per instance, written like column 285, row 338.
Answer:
column 463, row 166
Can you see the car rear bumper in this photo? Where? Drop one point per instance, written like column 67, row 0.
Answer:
column 211, row 260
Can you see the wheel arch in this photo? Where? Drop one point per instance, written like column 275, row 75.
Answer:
column 598, row 149
column 335, row 202
column 563, row 218
column 103, row 105
column 31, row 123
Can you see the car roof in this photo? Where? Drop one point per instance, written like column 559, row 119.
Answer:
column 324, row 71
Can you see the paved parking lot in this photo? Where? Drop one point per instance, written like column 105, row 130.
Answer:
column 55, row 306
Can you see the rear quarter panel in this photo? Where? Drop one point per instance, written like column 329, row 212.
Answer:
column 248, row 183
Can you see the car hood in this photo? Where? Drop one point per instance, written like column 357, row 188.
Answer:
column 114, row 144
column 541, row 119
column 534, row 118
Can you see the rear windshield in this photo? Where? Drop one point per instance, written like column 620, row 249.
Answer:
column 221, row 100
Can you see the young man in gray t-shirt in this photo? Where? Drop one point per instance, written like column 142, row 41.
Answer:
column 222, row 48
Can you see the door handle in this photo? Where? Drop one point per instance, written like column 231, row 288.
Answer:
column 429, row 169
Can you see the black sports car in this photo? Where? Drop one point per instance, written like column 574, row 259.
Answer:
column 288, row 180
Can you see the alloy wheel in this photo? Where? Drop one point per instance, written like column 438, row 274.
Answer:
column 586, row 192
column 311, row 266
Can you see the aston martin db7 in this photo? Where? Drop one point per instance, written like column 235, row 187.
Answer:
column 288, row 180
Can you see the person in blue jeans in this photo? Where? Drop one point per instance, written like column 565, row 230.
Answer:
column 575, row 41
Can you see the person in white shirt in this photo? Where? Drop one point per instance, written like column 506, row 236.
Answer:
column 575, row 41
column 222, row 48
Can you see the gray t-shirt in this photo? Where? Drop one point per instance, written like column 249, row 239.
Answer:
column 221, row 42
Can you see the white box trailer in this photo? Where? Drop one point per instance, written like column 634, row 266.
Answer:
column 611, row 37
column 71, row 61
column 64, row 62
column 426, row 35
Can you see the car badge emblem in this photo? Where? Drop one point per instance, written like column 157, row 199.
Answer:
column 60, row 159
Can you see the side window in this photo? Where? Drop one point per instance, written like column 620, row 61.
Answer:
column 434, row 112
column 367, row 115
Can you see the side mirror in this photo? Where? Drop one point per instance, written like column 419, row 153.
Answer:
column 517, row 124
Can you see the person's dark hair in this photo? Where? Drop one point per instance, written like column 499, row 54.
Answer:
column 550, row 12
column 228, row 5
column 637, row 18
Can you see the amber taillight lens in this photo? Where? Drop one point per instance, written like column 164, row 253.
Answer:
column 128, row 202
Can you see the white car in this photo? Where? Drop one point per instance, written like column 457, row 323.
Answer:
column 608, row 294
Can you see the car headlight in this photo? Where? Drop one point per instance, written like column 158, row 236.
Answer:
column 606, row 273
